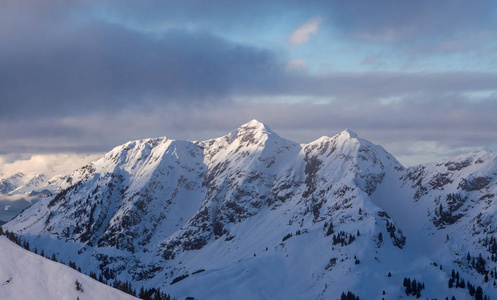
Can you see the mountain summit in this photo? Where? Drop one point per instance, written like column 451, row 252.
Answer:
column 253, row 215
column 349, row 133
column 255, row 125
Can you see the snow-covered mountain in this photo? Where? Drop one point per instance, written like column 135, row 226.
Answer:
column 25, row 275
column 11, row 183
column 19, row 191
column 251, row 215
column 29, row 185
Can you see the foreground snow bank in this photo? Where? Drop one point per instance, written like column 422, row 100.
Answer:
column 25, row 275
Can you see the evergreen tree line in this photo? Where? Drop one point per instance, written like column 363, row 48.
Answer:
column 480, row 265
column 343, row 238
column 349, row 296
column 455, row 281
column 125, row 286
column 445, row 216
column 328, row 229
column 289, row 235
column 413, row 287
column 179, row 278
column 14, row 238
column 490, row 243
column 153, row 294
column 399, row 242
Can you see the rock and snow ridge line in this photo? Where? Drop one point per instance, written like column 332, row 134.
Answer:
column 157, row 210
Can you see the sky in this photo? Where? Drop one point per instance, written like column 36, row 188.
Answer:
column 81, row 77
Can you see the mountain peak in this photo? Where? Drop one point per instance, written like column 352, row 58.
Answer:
column 253, row 131
column 255, row 125
column 348, row 133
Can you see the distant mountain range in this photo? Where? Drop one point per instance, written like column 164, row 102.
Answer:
column 20, row 190
column 251, row 215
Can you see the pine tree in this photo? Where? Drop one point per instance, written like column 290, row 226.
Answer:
column 408, row 287
column 330, row 230
column 479, row 293
column 79, row 286
column 414, row 286
column 471, row 289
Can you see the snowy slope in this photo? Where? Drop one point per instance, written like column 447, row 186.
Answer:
column 10, row 183
column 448, row 208
column 255, row 216
column 25, row 275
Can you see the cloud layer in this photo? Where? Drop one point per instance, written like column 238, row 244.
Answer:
column 48, row 164
column 112, row 68
column 82, row 77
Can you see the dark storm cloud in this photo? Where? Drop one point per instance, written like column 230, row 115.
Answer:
column 57, row 59
column 112, row 67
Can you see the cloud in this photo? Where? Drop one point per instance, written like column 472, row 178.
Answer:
column 430, row 151
column 296, row 65
column 447, row 120
column 13, row 198
column 400, row 21
column 302, row 34
column 84, row 77
column 436, row 106
column 442, row 47
column 107, row 68
column 381, row 21
column 373, row 61
column 49, row 164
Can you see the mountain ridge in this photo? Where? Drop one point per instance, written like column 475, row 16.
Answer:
column 154, row 210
